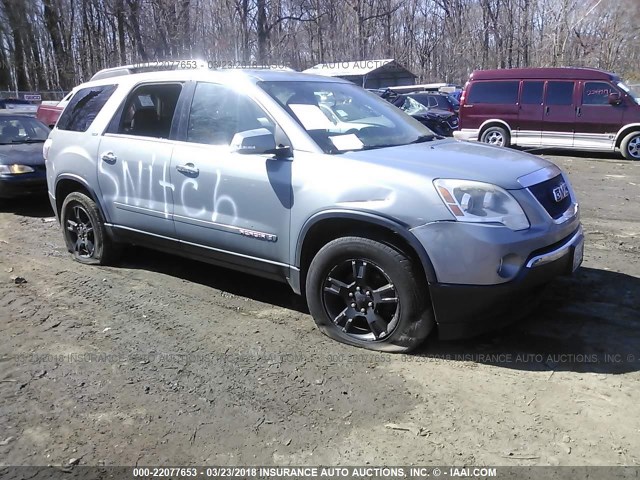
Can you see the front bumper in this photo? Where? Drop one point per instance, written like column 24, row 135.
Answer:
column 23, row 185
column 467, row 310
column 468, row 134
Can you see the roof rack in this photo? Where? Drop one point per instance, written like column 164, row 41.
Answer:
column 190, row 64
column 142, row 67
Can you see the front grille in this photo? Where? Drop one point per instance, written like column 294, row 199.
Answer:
column 544, row 194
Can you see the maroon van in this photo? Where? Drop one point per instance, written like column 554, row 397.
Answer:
column 578, row 108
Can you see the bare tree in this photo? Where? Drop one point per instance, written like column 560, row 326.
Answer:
column 59, row 43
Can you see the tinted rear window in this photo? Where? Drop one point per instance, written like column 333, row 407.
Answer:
column 532, row 93
column 442, row 102
column 559, row 93
column 84, row 107
column 494, row 92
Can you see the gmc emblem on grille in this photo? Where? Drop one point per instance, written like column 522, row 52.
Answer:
column 560, row 192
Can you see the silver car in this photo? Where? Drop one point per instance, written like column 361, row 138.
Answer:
column 388, row 230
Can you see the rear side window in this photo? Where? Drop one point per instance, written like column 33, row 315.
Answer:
column 559, row 93
column 597, row 93
column 84, row 108
column 149, row 110
column 532, row 93
column 441, row 102
column 494, row 92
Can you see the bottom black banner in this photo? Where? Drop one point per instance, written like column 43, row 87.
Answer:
column 328, row 472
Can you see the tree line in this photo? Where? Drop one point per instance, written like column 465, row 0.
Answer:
column 56, row 44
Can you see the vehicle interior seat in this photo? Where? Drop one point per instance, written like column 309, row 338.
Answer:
column 302, row 98
column 10, row 131
column 146, row 122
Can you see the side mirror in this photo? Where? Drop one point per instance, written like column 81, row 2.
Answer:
column 253, row 142
column 615, row 99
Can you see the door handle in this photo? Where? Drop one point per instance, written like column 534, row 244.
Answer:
column 546, row 110
column 188, row 169
column 109, row 157
column 578, row 112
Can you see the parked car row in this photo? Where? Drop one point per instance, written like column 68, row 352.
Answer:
column 425, row 107
column 567, row 108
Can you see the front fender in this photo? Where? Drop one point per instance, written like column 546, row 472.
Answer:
column 374, row 219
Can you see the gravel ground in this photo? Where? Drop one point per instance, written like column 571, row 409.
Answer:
column 166, row 361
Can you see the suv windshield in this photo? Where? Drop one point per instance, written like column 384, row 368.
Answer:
column 22, row 130
column 633, row 92
column 342, row 116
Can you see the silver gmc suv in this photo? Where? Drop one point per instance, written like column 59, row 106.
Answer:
column 388, row 230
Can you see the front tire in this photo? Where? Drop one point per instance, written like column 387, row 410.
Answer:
column 368, row 294
column 630, row 146
column 496, row 136
column 84, row 232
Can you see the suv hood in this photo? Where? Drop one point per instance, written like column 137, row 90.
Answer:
column 456, row 159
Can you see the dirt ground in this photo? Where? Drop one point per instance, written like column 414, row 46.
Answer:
column 166, row 361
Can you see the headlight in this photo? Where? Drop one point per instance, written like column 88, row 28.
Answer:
column 479, row 202
column 15, row 169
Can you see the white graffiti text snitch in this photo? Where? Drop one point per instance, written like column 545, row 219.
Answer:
column 220, row 200
column 131, row 188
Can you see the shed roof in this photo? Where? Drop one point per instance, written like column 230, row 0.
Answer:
column 357, row 68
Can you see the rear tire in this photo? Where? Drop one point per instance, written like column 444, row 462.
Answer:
column 496, row 136
column 630, row 146
column 84, row 232
column 368, row 294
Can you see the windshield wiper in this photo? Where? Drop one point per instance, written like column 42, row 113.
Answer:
column 426, row 138
column 420, row 139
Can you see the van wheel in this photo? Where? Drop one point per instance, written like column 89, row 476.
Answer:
column 84, row 231
column 497, row 136
column 630, row 146
column 368, row 294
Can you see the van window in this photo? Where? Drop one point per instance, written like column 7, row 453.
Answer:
column 559, row 93
column 532, row 93
column 494, row 92
column 84, row 108
column 149, row 110
column 597, row 93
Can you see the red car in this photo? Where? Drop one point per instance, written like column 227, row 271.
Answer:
column 48, row 113
column 574, row 108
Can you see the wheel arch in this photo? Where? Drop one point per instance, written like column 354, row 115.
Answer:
column 329, row 225
column 624, row 131
column 494, row 122
column 68, row 183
